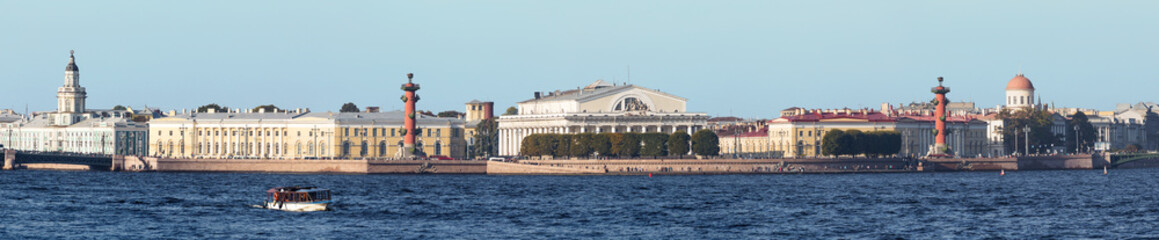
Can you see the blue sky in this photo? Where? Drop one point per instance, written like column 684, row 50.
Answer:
column 744, row 58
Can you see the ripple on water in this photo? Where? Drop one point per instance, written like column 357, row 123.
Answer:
column 1026, row 204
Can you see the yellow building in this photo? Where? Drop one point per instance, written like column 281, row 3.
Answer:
column 800, row 134
column 755, row 144
column 299, row 135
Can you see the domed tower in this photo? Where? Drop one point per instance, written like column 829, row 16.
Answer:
column 1019, row 92
column 70, row 98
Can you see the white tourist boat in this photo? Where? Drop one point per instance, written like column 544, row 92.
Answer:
column 298, row 199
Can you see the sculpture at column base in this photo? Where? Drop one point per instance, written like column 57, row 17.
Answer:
column 940, row 151
column 410, row 152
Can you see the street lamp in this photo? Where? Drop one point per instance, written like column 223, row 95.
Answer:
column 1026, row 130
column 1076, row 139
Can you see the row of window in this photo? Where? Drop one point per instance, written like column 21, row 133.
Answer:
column 374, row 132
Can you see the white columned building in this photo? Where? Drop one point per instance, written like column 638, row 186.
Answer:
column 73, row 128
column 597, row 108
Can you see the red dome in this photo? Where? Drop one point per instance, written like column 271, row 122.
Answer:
column 1019, row 83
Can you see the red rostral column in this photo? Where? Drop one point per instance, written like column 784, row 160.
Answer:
column 940, row 119
column 409, row 121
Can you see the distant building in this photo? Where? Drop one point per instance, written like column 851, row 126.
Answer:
column 1019, row 93
column 800, row 134
column 300, row 135
column 596, row 108
column 751, row 144
column 73, row 128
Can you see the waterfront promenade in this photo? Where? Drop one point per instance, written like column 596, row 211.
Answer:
column 569, row 167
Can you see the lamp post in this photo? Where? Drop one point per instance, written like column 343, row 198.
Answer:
column 1026, row 130
column 1077, row 136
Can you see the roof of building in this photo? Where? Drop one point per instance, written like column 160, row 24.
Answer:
column 391, row 117
column 598, row 88
column 1019, row 82
column 868, row 116
column 71, row 62
column 763, row 132
column 7, row 118
column 725, row 119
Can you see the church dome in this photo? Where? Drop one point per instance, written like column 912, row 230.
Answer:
column 71, row 63
column 1019, row 82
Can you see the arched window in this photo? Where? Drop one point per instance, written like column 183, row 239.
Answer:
column 382, row 148
column 438, row 148
column 345, row 148
column 362, row 152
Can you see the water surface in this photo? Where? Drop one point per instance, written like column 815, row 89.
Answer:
column 1026, row 204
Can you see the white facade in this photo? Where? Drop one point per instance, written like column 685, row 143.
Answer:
column 75, row 129
column 1117, row 133
column 1020, row 92
column 597, row 108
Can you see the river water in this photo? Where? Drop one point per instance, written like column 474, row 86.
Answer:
column 1026, row 204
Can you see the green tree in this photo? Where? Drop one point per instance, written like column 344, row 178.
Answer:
column 628, row 146
column 486, row 139
column 120, row 108
column 349, row 107
column 891, row 143
column 1039, row 122
column 655, row 144
column 678, row 143
column 512, row 111
column 581, row 144
column 602, row 144
column 534, row 145
column 858, row 142
column 450, row 114
column 1132, row 148
column 561, row 145
column 214, row 106
column 705, row 143
column 267, row 108
column 831, row 143
column 1086, row 132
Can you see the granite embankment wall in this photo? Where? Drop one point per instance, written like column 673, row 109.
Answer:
column 1053, row 162
column 1076, row 161
column 970, row 164
column 312, row 166
column 697, row 166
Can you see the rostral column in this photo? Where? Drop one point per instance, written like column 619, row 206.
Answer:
column 940, row 147
column 409, row 130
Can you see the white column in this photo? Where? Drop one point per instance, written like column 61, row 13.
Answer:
column 502, row 141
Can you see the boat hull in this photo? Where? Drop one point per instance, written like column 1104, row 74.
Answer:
column 298, row 207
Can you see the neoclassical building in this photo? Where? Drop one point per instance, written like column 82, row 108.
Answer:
column 300, row 134
column 800, row 133
column 596, row 108
column 73, row 128
column 1019, row 92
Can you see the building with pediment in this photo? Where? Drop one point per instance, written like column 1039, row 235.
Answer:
column 596, row 108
